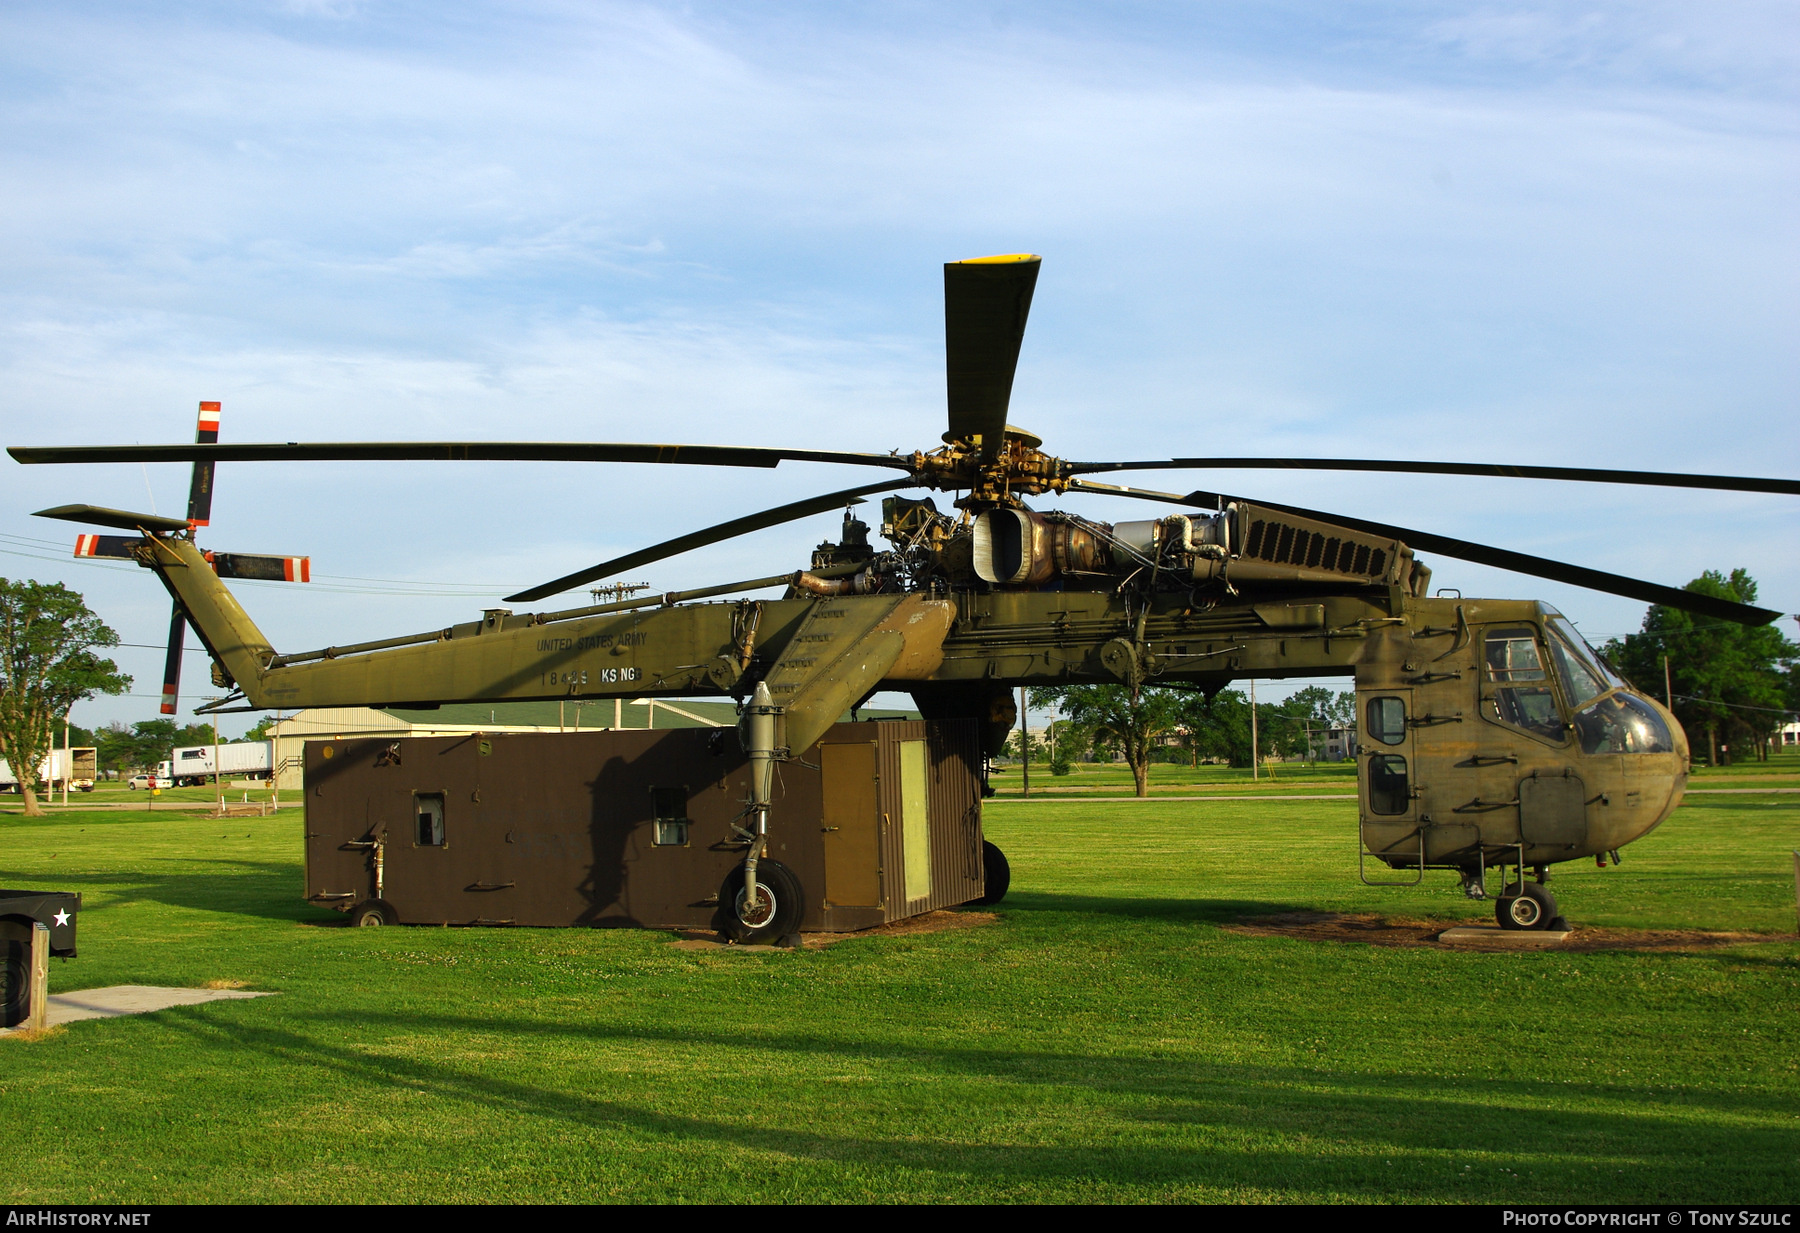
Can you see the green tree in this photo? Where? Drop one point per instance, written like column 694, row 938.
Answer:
column 1065, row 746
column 1130, row 718
column 1298, row 724
column 47, row 665
column 1729, row 684
column 1218, row 727
column 1022, row 746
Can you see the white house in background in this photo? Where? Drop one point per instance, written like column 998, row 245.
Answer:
column 1339, row 743
column 1789, row 736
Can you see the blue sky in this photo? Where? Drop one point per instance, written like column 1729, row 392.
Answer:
column 1523, row 233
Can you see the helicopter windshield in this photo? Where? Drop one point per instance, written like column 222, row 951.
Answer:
column 1584, row 675
column 1622, row 723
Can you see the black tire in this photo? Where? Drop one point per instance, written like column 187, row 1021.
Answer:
column 1530, row 906
column 774, row 920
column 996, row 876
column 372, row 912
column 15, row 973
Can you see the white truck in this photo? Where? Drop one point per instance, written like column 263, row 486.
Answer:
column 190, row 765
column 76, row 765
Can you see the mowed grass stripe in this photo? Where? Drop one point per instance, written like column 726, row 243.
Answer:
column 1106, row 1040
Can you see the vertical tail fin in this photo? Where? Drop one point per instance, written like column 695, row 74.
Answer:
column 237, row 646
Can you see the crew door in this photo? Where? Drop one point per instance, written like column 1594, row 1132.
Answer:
column 1385, row 783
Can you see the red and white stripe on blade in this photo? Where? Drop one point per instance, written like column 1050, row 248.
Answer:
column 200, row 489
column 299, row 569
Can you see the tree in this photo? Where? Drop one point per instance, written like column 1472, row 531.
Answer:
column 1065, row 746
column 1296, row 725
column 47, row 665
column 1218, row 727
column 1128, row 717
column 1732, row 683
column 1031, row 746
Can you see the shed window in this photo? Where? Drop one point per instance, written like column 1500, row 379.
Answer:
column 670, row 825
column 428, row 812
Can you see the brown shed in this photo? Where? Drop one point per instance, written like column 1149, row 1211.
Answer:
column 879, row 821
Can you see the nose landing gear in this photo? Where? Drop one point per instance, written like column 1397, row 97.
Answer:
column 1528, row 906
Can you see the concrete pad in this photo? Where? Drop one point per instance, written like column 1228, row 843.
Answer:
column 1508, row 939
column 116, row 1000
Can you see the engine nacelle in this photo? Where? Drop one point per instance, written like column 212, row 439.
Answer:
column 1021, row 547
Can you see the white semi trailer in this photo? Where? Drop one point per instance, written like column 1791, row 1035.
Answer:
column 193, row 764
column 75, row 765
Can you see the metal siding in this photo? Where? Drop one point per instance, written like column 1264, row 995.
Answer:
column 565, row 819
column 953, row 790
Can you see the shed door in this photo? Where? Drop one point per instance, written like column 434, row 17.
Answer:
column 851, row 818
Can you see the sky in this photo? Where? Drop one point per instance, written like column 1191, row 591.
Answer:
column 1529, row 233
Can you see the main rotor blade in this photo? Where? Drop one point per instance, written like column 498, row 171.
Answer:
column 986, row 303
column 710, row 535
column 1659, row 479
column 452, row 451
column 1481, row 554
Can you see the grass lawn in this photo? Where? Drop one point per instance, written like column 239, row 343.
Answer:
column 1107, row 1039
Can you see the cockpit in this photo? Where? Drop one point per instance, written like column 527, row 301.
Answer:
column 1528, row 668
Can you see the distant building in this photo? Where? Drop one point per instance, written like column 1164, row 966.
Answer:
column 1339, row 743
column 1789, row 736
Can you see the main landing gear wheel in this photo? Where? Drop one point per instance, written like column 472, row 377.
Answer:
column 996, row 876
column 1530, row 906
column 779, row 908
column 373, row 912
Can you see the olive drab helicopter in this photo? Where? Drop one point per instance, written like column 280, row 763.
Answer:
column 1493, row 741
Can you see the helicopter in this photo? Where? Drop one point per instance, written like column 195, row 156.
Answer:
column 1491, row 738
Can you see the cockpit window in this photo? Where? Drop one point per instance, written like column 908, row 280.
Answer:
column 1512, row 655
column 1522, row 695
column 1583, row 673
column 1621, row 723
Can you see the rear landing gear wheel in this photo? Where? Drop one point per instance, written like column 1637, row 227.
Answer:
column 779, row 908
column 373, row 912
column 996, row 876
column 1527, row 906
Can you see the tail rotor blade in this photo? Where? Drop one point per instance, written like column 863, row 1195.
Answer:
column 986, row 303
column 200, row 490
column 171, row 689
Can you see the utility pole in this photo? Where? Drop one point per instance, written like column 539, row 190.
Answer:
column 68, row 762
column 218, row 780
column 1668, row 690
column 275, row 764
column 1024, row 743
column 1255, row 746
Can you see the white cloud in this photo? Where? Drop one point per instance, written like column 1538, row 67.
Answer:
column 1526, row 234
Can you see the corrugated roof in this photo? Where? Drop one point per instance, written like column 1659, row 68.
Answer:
column 592, row 714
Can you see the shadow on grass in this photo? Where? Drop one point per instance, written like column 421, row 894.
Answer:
column 1286, row 1130
column 1204, row 911
column 264, row 889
